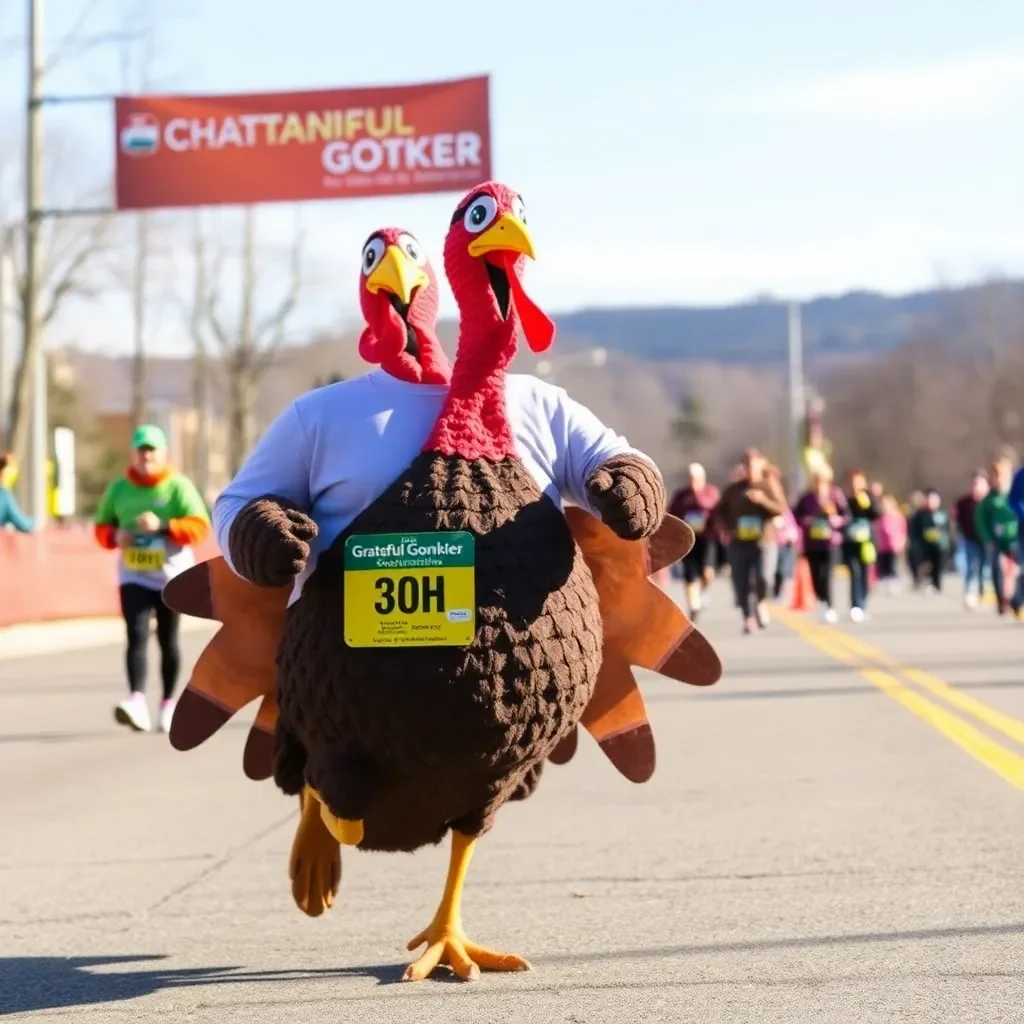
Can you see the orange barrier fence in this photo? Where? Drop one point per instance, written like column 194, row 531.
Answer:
column 60, row 573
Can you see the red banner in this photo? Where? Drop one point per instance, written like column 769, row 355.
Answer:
column 339, row 144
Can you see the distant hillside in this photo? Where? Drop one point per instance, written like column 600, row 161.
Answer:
column 858, row 323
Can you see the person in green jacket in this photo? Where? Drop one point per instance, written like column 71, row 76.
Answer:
column 997, row 526
column 153, row 516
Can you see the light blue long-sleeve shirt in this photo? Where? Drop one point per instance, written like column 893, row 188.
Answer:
column 335, row 450
column 11, row 514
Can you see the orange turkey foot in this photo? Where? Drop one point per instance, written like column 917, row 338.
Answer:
column 447, row 944
column 446, row 941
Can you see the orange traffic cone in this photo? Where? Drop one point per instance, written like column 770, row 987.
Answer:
column 803, row 596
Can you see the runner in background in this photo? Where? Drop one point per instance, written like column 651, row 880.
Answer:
column 997, row 530
column 930, row 532
column 859, row 550
column 891, row 541
column 972, row 546
column 1016, row 500
column 914, row 555
column 788, row 533
column 696, row 504
column 153, row 516
column 10, row 512
column 822, row 515
column 745, row 513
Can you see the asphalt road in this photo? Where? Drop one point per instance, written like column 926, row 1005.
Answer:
column 834, row 833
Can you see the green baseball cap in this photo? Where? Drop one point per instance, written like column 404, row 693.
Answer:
column 148, row 436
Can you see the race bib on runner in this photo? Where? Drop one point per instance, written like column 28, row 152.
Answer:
column 410, row 590
column 695, row 520
column 859, row 532
column 147, row 554
column 748, row 528
column 932, row 535
column 821, row 529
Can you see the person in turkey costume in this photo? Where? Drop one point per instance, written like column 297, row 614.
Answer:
column 400, row 742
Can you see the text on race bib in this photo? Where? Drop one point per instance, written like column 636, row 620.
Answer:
column 147, row 554
column 748, row 528
column 410, row 590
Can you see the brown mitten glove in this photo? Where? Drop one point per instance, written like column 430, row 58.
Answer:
column 269, row 541
column 629, row 494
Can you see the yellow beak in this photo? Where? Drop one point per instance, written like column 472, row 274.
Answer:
column 506, row 234
column 398, row 274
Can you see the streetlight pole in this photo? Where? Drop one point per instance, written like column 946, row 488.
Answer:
column 796, row 398
column 33, row 349
column 7, row 300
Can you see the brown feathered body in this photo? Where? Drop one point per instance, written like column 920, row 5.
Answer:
column 414, row 741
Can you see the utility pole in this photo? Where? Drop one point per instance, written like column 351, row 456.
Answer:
column 33, row 353
column 140, row 270
column 797, row 404
column 139, row 383
column 7, row 300
column 201, row 364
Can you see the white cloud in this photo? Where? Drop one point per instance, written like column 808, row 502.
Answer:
column 956, row 89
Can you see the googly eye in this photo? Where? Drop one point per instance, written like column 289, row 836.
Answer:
column 519, row 209
column 411, row 247
column 372, row 253
column 481, row 214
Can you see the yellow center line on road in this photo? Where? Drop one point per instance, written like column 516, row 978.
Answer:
column 1006, row 724
column 1005, row 763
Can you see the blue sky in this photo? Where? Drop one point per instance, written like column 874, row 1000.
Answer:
column 667, row 152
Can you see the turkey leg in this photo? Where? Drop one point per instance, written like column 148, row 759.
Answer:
column 445, row 939
column 315, row 863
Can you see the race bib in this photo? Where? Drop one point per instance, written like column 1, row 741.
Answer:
column 932, row 535
column 859, row 531
column 821, row 529
column 147, row 554
column 410, row 590
column 695, row 520
column 999, row 529
column 748, row 528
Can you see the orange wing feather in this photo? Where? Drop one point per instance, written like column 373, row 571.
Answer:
column 643, row 627
column 238, row 665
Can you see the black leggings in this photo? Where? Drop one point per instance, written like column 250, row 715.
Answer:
column 820, row 564
column 137, row 602
column 934, row 557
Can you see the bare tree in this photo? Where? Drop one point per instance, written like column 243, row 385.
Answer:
column 70, row 251
column 248, row 347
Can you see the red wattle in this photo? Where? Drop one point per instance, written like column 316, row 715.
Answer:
column 538, row 327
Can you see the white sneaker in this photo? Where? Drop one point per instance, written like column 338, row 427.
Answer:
column 829, row 615
column 763, row 618
column 133, row 712
column 857, row 614
column 971, row 600
column 166, row 714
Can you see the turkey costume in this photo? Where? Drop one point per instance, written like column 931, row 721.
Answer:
column 404, row 743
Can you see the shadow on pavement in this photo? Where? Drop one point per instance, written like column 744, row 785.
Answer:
column 50, row 982
column 44, row 983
